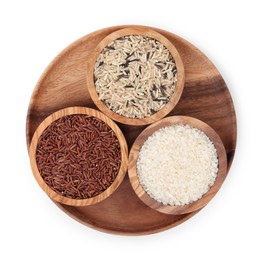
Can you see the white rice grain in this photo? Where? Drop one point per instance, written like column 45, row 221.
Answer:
column 177, row 165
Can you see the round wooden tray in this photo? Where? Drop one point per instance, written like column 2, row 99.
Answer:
column 205, row 96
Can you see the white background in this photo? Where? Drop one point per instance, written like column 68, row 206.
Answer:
column 34, row 32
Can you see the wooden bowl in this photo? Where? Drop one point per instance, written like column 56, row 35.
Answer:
column 123, row 147
column 194, row 206
column 145, row 31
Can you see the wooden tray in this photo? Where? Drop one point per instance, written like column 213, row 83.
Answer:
column 205, row 97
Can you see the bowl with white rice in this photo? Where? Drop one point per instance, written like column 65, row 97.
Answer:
column 177, row 165
column 135, row 76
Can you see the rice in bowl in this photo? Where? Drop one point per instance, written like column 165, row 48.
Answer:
column 177, row 165
column 135, row 76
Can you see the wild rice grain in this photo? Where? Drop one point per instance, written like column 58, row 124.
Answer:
column 135, row 76
column 75, row 154
column 177, row 165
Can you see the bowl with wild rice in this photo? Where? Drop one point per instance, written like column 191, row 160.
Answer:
column 177, row 165
column 135, row 76
column 78, row 156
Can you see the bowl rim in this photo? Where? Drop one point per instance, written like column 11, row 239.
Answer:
column 191, row 207
column 168, row 107
column 85, row 111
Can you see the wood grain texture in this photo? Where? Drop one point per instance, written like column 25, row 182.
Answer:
column 194, row 206
column 145, row 31
column 124, row 155
column 205, row 96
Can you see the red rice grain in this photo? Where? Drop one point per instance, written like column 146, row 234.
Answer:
column 78, row 156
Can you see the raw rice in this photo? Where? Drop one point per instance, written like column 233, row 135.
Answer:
column 78, row 156
column 177, row 165
column 135, row 76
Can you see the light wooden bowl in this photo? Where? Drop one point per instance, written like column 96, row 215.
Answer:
column 145, row 31
column 194, row 206
column 90, row 112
